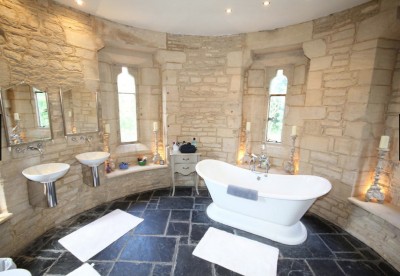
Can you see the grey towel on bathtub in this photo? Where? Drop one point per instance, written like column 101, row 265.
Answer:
column 242, row 192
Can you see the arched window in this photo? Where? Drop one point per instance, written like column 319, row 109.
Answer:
column 276, row 107
column 127, row 106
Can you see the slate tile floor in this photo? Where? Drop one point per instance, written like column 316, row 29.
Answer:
column 163, row 243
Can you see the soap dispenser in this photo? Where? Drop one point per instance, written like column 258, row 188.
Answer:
column 194, row 142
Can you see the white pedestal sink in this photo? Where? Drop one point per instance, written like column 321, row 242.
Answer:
column 47, row 174
column 93, row 159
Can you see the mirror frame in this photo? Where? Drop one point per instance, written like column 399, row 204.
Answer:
column 7, row 127
column 63, row 115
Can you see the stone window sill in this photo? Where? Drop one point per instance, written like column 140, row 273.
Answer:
column 134, row 169
column 4, row 217
column 385, row 211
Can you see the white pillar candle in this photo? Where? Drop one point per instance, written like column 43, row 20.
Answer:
column 155, row 126
column 294, row 130
column 107, row 128
column 70, row 113
column 16, row 116
column 248, row 126
column 384, row 143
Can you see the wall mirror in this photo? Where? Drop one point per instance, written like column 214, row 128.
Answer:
column 79, row 110
column 26, row 114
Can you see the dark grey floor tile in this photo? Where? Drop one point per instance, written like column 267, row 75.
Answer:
column 203, row 193
column 137, row 207
column 355, row 242
column 290, row 267
column 358, row 268
column 315, row 225
column 176, row 203
column 103, row 268
column 349, row 256
column 183, row 191
column 370, row 254
column 111, row 252
column 162, row 270
column 146, row 196
column 222, row 271
column 325, row 268
column 200, row 207
column 83, row 220
column 203, row 200
column 154, row 223
column 132, row 198
column 127, row 268
column 49, row 254
column 337, row 243
column 183, row 240
column 180, row 215
column 149, row 248
column 198, row 231
column 65, row 264
column 35, row 266
column 178, row 229
column 151, row 206
column 313, row 247
column 387, row 269
column 161, row 192
column 188, row 264
column 200, row 217
column 122, row 205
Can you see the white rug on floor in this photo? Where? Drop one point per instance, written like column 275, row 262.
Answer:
column 89, row 240
column 84, row 270
column 238, row 254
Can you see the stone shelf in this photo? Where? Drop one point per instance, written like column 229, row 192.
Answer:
column 134, row 169
column 385, row 211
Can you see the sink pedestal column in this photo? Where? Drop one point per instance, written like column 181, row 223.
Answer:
column 42, row 194
column 95, row 176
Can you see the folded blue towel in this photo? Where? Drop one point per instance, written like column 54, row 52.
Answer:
column 242, row 192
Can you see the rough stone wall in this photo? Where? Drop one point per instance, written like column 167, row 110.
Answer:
column 204, row 98
column 392, row 129
column 50, row 46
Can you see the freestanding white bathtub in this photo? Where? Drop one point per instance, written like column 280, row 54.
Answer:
column 275, row 214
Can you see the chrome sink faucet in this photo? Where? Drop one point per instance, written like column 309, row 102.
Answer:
column 38, row 148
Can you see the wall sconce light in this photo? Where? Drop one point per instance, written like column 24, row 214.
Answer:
column 374, row 192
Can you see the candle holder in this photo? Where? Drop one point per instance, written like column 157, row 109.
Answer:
column 374, row 192
column 289, row 166
column 246, row 157
column 157, row 156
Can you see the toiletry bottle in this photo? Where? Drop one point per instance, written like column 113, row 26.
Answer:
column 194, row 142
column 175, row 147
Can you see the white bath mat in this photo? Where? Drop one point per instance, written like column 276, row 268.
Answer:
column 84, row 270
column 238, row 254
column 89, row 240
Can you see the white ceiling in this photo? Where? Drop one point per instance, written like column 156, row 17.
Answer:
column 208, row 17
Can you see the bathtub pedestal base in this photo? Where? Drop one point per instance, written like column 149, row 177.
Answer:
column 291, row 235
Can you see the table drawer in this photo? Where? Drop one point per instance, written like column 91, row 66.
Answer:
column 182, row 159
column 185, row 169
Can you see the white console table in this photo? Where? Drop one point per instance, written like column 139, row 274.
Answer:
column 185, row 164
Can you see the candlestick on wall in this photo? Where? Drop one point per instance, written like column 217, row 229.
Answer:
column 374, row 192
column 289, row 166
column 157, row 156
column 246, row 157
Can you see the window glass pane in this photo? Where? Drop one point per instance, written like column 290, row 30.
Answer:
column 41, row 107
column 127, row 106
column 278, row 84
column 275, row 118
column 127, row 117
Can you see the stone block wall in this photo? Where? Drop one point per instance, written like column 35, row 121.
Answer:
column 202, row 86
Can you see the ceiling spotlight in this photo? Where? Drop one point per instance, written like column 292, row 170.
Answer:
column 228, row 10
column 266, row 3
column 79, row 2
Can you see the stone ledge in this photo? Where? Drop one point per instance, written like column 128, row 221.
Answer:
column 386, row 211
column 135, row 169
column 5, row 216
